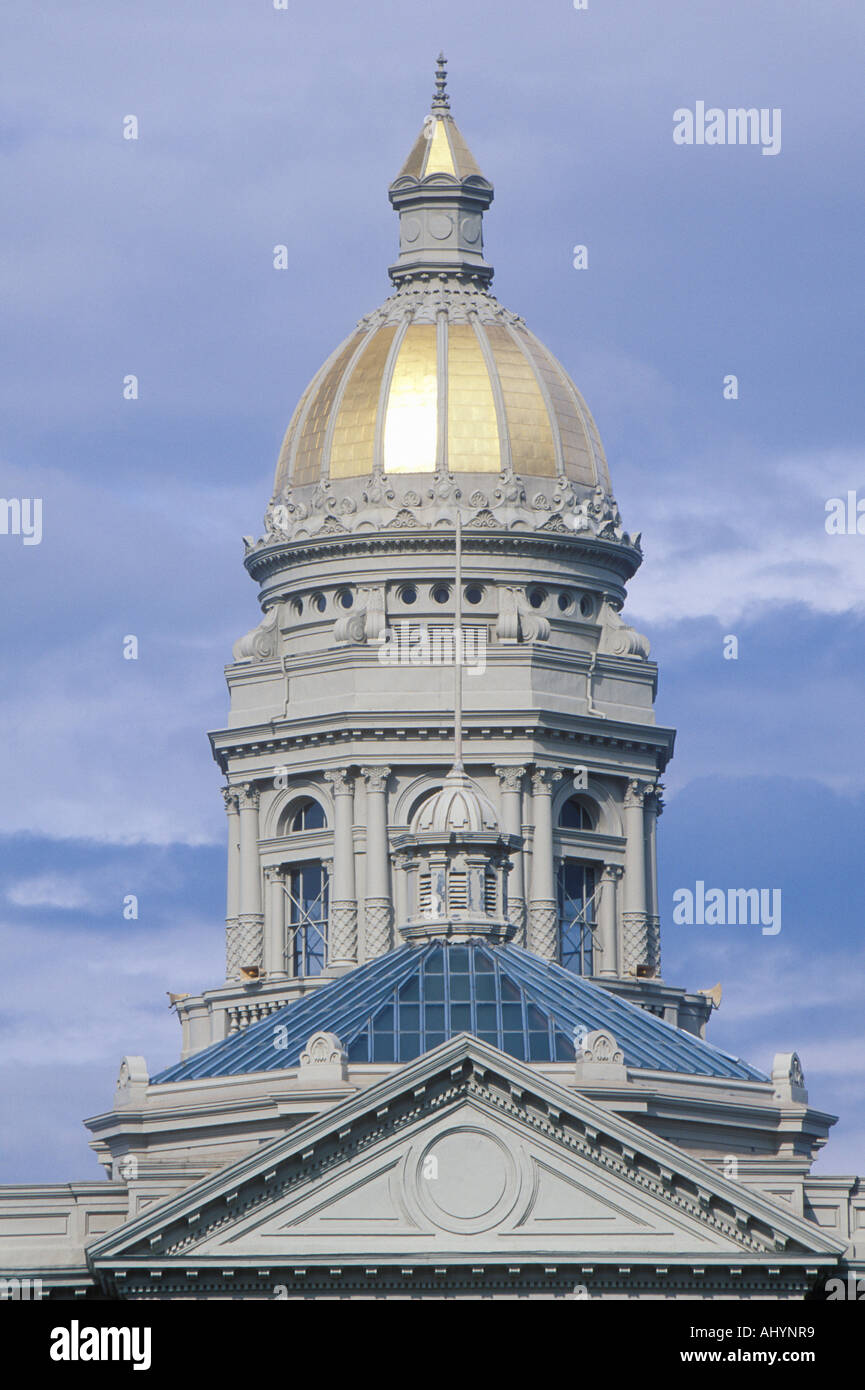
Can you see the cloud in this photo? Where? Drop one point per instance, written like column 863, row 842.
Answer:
column 108, row 748
column 73, row 1006
column 49, row 890
column 716, row 546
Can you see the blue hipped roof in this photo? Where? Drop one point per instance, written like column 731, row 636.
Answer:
column 399, row 1006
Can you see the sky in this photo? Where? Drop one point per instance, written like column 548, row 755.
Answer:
column 260, row 126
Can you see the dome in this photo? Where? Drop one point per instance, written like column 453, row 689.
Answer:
column 441, row 378
column 459, row 807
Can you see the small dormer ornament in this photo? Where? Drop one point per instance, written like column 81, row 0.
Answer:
column 132, row 1082
column 788, row 1078
column 322, row 1062
column 598, row 1057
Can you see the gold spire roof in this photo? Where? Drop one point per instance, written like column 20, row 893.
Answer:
column 440, row 147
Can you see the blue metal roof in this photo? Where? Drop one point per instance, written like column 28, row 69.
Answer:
column 399, row 1006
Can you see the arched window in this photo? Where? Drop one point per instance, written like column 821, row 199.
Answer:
column 575, row 816
column 576, row 888
column 305, row 815
column 306, row 888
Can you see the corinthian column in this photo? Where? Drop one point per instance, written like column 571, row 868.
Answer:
column 244, row 946
column 511, row 784
column 274, row 927
column 342, row 928
column 232, row 891
column 543, row 910
column 653, row 807
column 634, row 916
column 378, row 909
column 608, row 935
column 232, row 894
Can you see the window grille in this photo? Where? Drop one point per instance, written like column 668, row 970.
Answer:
column 306, row 888
column 576, row 901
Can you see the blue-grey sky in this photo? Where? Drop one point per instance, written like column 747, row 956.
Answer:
column 154, row 257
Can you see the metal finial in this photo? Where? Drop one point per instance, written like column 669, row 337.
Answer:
column 441, row 101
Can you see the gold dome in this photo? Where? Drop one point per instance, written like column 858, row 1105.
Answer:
column 441, row 378
column 468, row 390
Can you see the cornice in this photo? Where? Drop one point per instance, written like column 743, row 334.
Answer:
column 267, row 560
column 338, row 729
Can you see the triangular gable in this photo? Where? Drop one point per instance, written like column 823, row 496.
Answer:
column 463, row 1156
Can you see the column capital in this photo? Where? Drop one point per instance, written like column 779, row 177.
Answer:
column 375, row 778
column 612, row 873
column 341, row 780
column 273, row 872
column 544, row 779
column 638, row 790
column 510, row 778
column 248, row 797
column 230, row 796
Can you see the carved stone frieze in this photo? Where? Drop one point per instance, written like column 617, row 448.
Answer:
column 380, row 503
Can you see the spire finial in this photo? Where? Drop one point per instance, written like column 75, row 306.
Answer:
column 441, row 101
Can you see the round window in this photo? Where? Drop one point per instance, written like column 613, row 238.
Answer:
column 474, row 593
column 319, row 602
column 587, row 606
column 537, row 597
column 408, row 594
column 346, row 598
column 441, row 593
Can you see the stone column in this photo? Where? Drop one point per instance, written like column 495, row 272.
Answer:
column 543, row 910
column 274, row 927
column 342, row 927
column 653, row 808
column 378, row 908
column 634, row 916
column 245, row 943
column 232, row 890
column 607, row 932
column 511, row 784
column 232, row 895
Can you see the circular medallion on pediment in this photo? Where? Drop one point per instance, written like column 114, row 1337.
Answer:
column 465, row 1179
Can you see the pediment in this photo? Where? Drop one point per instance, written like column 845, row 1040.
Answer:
column 464, row 1156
